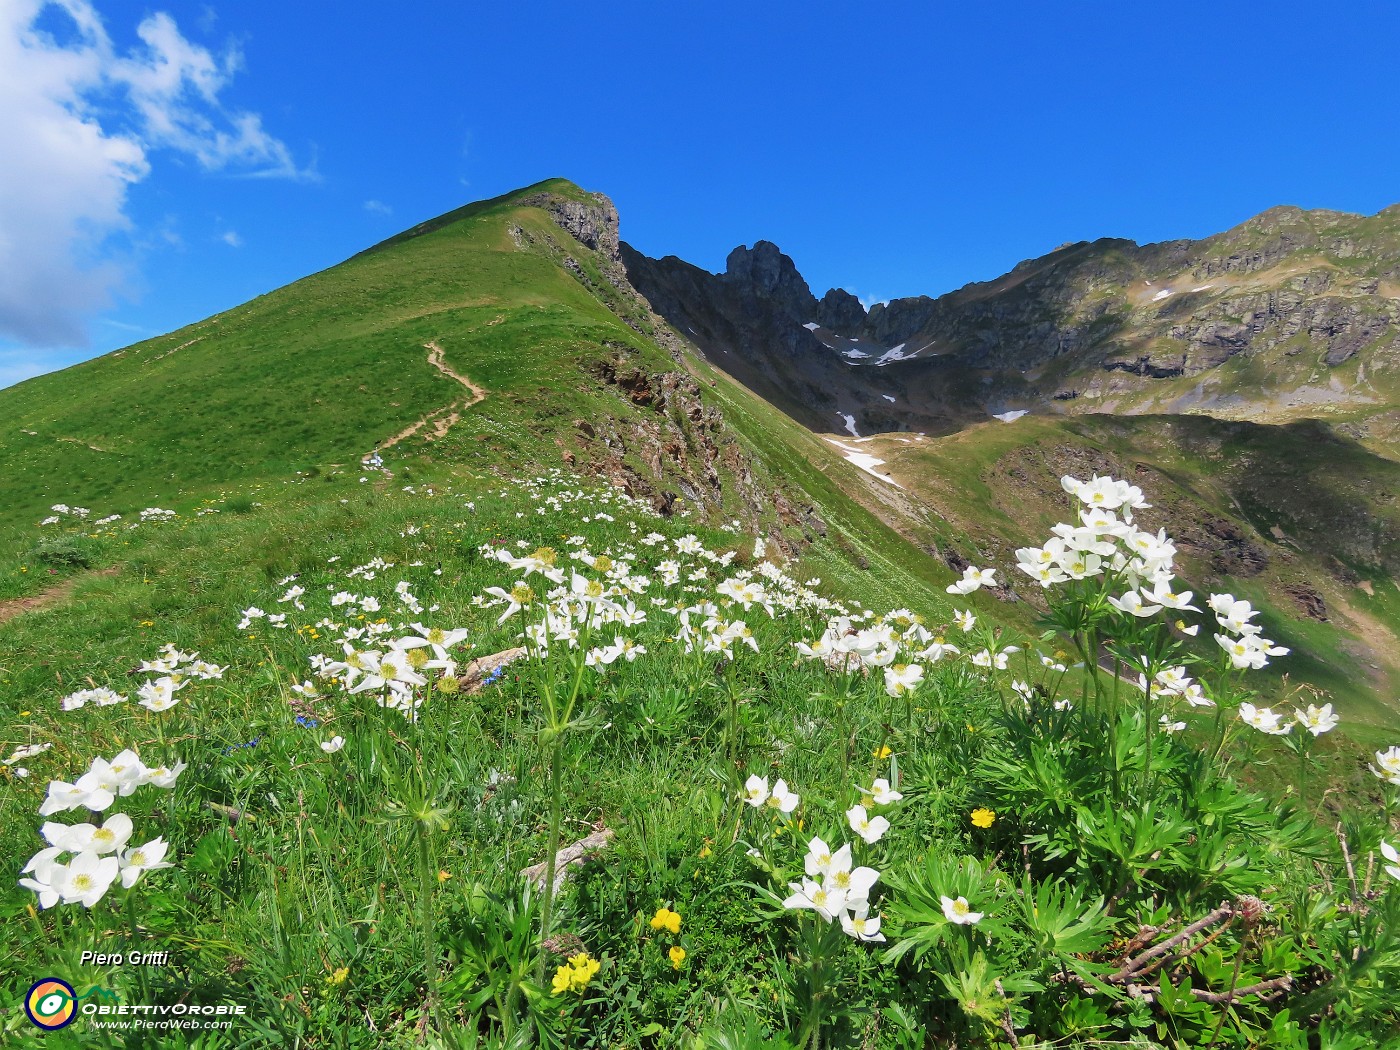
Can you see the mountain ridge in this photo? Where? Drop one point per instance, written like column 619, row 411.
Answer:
column 1102, row 323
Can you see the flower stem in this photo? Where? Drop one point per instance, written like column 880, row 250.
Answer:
column 547, row 903
column 426, row 879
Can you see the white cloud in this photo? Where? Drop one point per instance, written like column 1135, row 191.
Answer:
column 232, row 239
column 378, row 208
column 80, row 122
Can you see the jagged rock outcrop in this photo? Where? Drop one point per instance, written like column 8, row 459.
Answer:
column 1107, row 325
column 593, row 224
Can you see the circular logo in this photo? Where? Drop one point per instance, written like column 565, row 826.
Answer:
column 51, row 1004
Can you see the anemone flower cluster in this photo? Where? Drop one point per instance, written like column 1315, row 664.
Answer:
column 101, row 854
column 1244, row 642
column 174, row 670
column 63, row 510
column 834, row 886
column 894, row 643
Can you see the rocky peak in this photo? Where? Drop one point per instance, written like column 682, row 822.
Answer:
column 840, row 311
column 767, row 273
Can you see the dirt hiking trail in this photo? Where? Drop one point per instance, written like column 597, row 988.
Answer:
column 443, row 418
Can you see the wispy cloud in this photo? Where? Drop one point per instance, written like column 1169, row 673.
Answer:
column 81, row 121
column 378, row 208
column 232, row 239
column 123, row 326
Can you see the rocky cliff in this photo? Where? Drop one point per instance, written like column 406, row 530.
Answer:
column 1293, row 314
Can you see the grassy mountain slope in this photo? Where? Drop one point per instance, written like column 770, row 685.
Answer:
column 570, row 362
column 346, row 872
column 320, row 372
column 1300, row 521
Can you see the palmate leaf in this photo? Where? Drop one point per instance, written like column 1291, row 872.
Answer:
column 1133, row 839
column 1062, row 922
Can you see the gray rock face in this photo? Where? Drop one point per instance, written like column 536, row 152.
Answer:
column 1093, row 323
column 840, row 311
column 766, row 273
column 594, row 225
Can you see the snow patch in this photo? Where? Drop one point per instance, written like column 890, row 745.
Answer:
column 894, row 353
column 1202, row 288
column 864, row 461
column 854, row 355
column 811, row 326
column 850, row 424
column 888, row 398
column 1009, row 417
column 1162, row 294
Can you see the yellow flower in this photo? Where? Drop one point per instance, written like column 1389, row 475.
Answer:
column 338, row 978
column 884, row 751
column 444, row 875
column 983, row 818
column 705, row 851
column 677, row 957
column 574, row 975
column 666, row 919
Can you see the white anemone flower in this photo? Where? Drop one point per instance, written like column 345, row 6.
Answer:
column 1264, row 719
column 88, row 838
column 85, row 879
column 159, row 695
column 861, row 925
column 1132, row 603
column 881, row 794
column 27, row 751
column 440, row 639
column 332, row 745
column 756, row 790
column 937, row 649
column 959, row 911
column 43, row 866
column 1387, row 765
column 1317, row 720
column 973, row 579
column 63, row 796
column 903, row 678
column 165, row 776
column 138, row 860
column 869, row 828
column 783, row 800
column 1163, row 595
column 820, row 859
column 855, row 883
column 828, row 903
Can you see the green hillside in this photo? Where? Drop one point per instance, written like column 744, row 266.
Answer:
column 316, row 374
column 1296, row 518
column 575, row 603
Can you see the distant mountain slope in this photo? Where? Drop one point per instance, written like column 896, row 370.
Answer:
column 1293, row 314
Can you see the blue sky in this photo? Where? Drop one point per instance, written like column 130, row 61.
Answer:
column 165, row 162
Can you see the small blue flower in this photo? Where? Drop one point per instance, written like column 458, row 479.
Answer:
column 308, row 722
column 237, row 747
